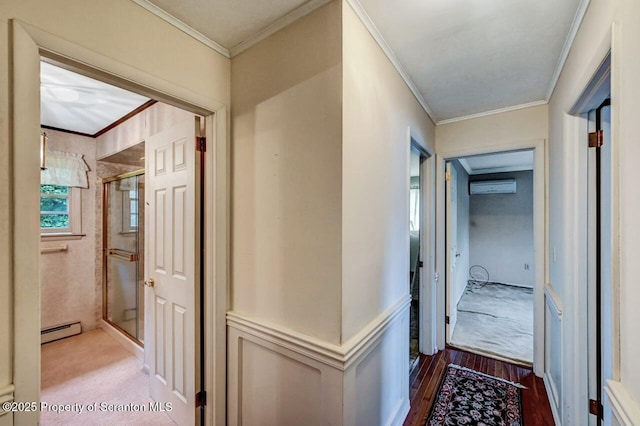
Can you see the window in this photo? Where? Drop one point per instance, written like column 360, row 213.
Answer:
column 59, row 210
column 414, row 209
column 130, row 211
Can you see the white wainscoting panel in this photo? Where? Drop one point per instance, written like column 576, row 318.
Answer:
column 271, row 383
column 553, row 351
column 377, row 383
column 280, row 377
column 625, row 411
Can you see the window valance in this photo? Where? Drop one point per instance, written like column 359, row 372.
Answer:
column 65, row 169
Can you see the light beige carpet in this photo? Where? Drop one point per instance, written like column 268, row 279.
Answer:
column 91, row 368
column 496, row 320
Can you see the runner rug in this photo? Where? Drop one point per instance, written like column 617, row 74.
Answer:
column 467, row 397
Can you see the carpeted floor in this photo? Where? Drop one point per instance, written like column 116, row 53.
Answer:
column 94, row 368
column 496, row 319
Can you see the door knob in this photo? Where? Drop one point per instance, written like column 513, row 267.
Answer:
column 150, row 282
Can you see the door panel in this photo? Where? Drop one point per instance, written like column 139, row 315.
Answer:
column 171, row 186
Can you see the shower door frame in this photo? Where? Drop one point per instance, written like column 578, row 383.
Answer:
column 105, row 227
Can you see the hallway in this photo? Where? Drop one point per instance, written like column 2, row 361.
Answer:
column 427, row 375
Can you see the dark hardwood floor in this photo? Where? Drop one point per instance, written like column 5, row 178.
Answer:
column 426, row 376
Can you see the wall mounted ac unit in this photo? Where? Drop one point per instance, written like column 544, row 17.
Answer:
column 503, row 186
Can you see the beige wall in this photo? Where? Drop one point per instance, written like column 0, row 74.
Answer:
column 286, row 173
column 522, row 125
column 378, row 110
column 67, row 279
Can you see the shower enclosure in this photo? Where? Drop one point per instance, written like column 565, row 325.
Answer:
column 123, row 253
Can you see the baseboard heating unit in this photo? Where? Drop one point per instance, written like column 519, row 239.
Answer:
column 61, row 331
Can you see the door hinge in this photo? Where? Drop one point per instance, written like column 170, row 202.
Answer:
column 201, row 144
column 447, row 176
column 595, row 408
column 420, row 264
column 446, row 319
column 596, row 139
column 201, row 399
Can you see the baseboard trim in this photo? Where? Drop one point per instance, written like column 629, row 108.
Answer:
column 337, row 356
column 552, row 402
column 401, row 413
column 623, row 406
column 135, row 349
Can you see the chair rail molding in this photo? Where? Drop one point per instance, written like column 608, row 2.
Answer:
column 322, row 382
column 623, row 407
column 6, row 395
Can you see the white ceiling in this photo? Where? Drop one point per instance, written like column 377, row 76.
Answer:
column 228, row 22
column 498, row 163
column 81, row 104
column 472, row 56
column 461, row 57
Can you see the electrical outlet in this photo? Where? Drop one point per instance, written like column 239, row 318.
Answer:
column 526, row 266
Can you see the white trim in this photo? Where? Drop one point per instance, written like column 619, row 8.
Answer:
column 553, row 300
column 302, row 344
column 373, row 30
column 492, row 112
column 401, row 413
column 540, row 173
column 132, row 347
column 502, row 169
column 336, row 356
column 275, row 26
column 568, row 43
column 465, row 165
column 554, row 409
column 6, row 395
column 170, row 19
column 623, row 406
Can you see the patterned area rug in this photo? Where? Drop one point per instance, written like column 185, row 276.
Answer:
column 466, row 397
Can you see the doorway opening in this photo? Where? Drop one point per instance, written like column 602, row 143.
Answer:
column 415, row 211
column 120, row 208
column 490, row 255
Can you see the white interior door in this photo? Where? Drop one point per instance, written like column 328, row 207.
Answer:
column 170, row 261
column 452, row 249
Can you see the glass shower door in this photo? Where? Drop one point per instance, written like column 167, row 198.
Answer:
column 123, row 249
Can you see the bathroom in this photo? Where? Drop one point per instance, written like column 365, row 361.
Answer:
column 92, row 291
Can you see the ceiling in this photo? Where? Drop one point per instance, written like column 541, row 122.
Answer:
column 80, row 104
column 513, row 161
column 461, row 58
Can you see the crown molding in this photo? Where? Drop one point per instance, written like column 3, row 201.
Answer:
column 373, row 30
column 568, row 43
column 277, row 25
column 492, row 112
column 465, row 165
column 167, row 17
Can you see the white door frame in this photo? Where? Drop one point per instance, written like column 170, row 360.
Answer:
column 428, row 278
column 600, row 84
column 29, row 43
column 539, row 237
